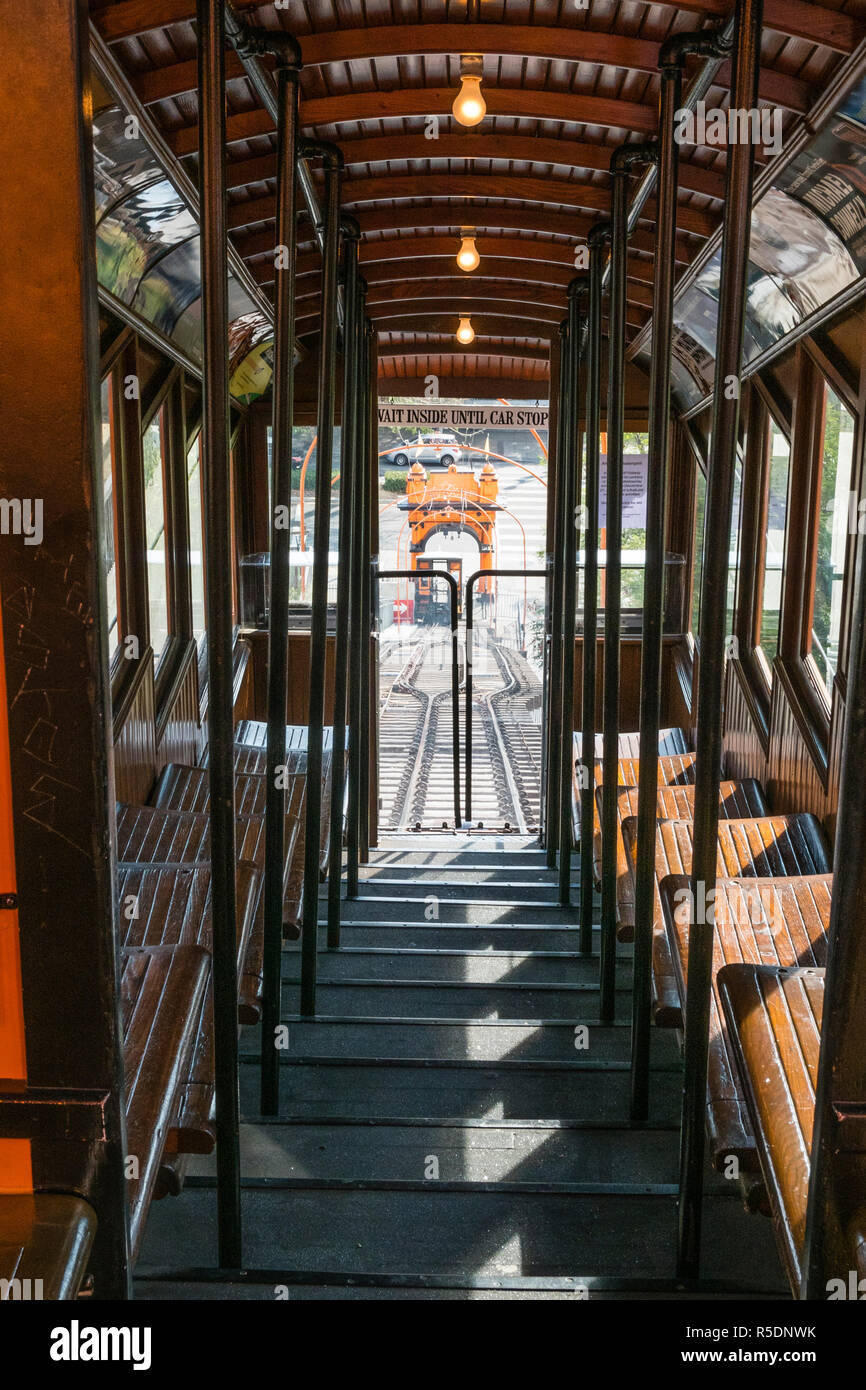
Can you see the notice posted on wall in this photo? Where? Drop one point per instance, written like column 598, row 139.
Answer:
column 634, row 475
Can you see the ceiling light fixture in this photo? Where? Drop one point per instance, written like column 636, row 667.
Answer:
column 465, row 332
column 469, row 105
column 468, row 257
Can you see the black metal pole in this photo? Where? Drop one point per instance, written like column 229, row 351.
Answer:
column 597, row 238
column 370, row 467
column 739, row 176
column 468, row 683
column 348, row 461
column 621, row 161
column 569, row 428
column 288, row 70
column 358, row 633
column 215, row 455
column 671, row 63
column 319, row 618
column 554, row 736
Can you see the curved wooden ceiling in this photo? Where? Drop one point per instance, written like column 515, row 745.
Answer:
column 564, row 85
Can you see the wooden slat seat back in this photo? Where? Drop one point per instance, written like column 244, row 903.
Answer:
column 760, row 847
column 773, row 1019
column 253, row 733
column 162, row 993
column 672, row 742
column 674, row 770
column 45, row 1243
column 736, row 800
column 173, row 907
column 146, row 834
column 769, row 922
column 182, row 788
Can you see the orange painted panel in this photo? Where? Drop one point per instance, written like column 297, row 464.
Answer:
column 15, row 1166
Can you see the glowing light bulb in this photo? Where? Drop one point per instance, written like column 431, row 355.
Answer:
column 465, row 332
column 468, row 257
column 469, row 105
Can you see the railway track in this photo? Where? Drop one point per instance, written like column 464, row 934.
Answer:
column 415, row 745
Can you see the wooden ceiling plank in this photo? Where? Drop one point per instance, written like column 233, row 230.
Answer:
column 132, row 17
column 523, row 102
column 485, row 219
column 499, row 148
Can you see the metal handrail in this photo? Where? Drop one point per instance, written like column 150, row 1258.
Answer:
column 453, row 585
column 470, row 584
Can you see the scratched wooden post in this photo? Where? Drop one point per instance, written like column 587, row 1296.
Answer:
column 54, row 621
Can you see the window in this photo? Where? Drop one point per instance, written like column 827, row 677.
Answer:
column 734, row 548
column 831, row 539
column 109, row 541
column 698, row 548
column 157, row 553
column 196, row 540
column 778, row 465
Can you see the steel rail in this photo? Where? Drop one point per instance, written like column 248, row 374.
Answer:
column 416, row 575
column 469, row 590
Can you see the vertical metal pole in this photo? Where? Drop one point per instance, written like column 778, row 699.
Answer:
column 321, row 547
column 554, row 739
column 358, row 633
column 722, row 462
column 216, row 472
column 654, row 581
column 671, row 63
column 351, row 237
column 570, row 432
column 549, row 533
column 597, row 238
column 455, row 697
column 620, row 163
column 370, row 467
column 283, row 418
column 468, row 716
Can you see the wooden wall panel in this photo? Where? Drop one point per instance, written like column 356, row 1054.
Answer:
column 677, row 687
column 794, row 782
column 298, row 695
column 179, row 734
column 629, row 695
column 243, row 683
column 742, row 750
column 135, row 758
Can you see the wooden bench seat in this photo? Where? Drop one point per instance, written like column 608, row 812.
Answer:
column 674, row 770
column 45, row 1243
column 773, row 1019
column 182, row 788
column 672, row 743
column 162, row 991
column 737, row 800
column 767, row 922
column 172, row 906
column 147, row 835
column 764, row 847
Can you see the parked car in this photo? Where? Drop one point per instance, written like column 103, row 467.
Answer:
column 427, row 448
